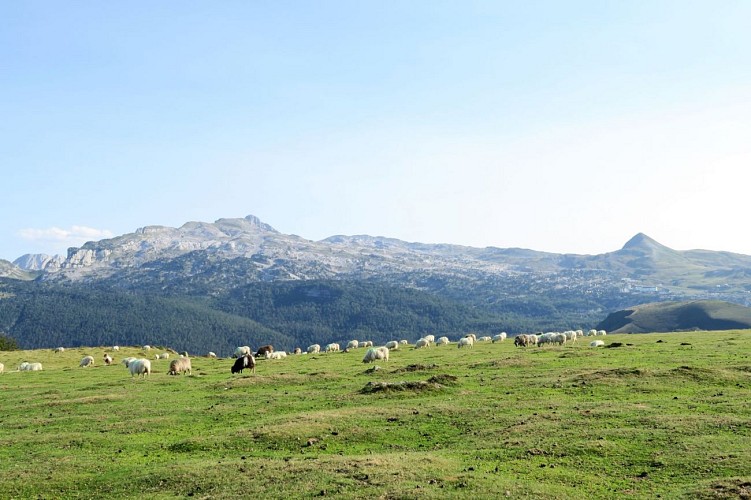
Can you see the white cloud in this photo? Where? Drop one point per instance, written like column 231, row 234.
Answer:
column 58, row 237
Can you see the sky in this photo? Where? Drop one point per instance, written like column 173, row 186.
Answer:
column 558, row 126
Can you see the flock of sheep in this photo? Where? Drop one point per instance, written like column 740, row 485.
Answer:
column 244, row 358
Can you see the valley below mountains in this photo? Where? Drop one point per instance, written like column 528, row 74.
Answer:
column 212, row 286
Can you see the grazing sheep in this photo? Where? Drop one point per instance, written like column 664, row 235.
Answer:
column 127, row 361
column 500, row 337
column 570, row 335
column 276, row 355
column 115, row 347
column 404, row 342
column 30, row 367
column 551, row 338
column 442, row 341
column 375, row 353
column 2, row 368
column 147, row 348
column 314, row 349
column 243, row 362
column 242, row 350
column 472, row 336
column 521, row 340
column 180, row 365
column 140, row 367
column 353, row 344
column 423, row 342
column 366, row 343
column 392, row 344
column 591, row 333
column 597, row 343
column 465, row 342
column 211, row 354
column 164, row 355
column 430, row 338
column 484, row 338
column 601, row 332
column 86, row 361
column 333, row 347
column 107, row 359
column 263, row 350
column 59, row 349
column 297, row 350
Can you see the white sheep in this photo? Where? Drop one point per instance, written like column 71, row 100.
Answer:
column 570, row 335
column 442, row 341
column 86, row 361
column 333, row 347
column 59, row 349
column 500, row 337
column 140, row 367
column 2, row 368
column 242, row 351
column 597, row 343
column 472, row 336
column 353, row 344
column 127, row 361
column 147, row 348
column 180, row 365
column 423, row 342
column 601, row 332
column 465, row 342
column 165, row 355
column 591, row 333
column 115, row 347
column 276, row 355
column 211, row 354
column 30, row 367
column 430, row 338
column 375, row 353
column 392, row 344
column 366, row 343
column 314, row 349
column 404, row 342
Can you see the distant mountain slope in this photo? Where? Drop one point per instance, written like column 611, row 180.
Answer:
column 10, row 270
column 675, row 316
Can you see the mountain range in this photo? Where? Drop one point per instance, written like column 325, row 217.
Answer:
column 211, row 264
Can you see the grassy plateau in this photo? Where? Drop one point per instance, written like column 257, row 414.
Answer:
column 660, row 415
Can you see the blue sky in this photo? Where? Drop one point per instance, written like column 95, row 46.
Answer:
column 557, row 126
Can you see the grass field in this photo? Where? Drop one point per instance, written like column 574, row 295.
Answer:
column 663, row 415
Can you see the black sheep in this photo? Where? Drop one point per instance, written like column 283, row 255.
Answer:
column 243, row 362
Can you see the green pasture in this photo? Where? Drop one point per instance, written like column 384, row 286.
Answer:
column 661, row 415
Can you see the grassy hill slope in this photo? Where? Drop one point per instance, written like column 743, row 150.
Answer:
column 646, row 419
column 677, row 316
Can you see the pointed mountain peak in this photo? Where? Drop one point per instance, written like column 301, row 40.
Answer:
column 642, row 241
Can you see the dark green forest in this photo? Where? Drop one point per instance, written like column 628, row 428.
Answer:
column 287, row 314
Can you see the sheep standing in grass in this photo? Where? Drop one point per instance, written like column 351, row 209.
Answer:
column 404, row 342
column 126, row 361
column 522, row 340
column 392, row 344
column 59, row 350
column 242, row 351
column 353, row 344
column 601, row 332
column 366, row 343
column 140, row 367
column 2, row 368
column 442, row 341
column 115, row 347
column 430, row 338
column 263, row 350
column 333, row 347
column 314, row 349
column 243, row 362
column 422, row 343
column 107, row 359
column 180, row 365
column 147, row 348
column 465, row 342
column 211, row 354
column 376, row 353
column 500, row 337
column 485, row 338
column 86, row 361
